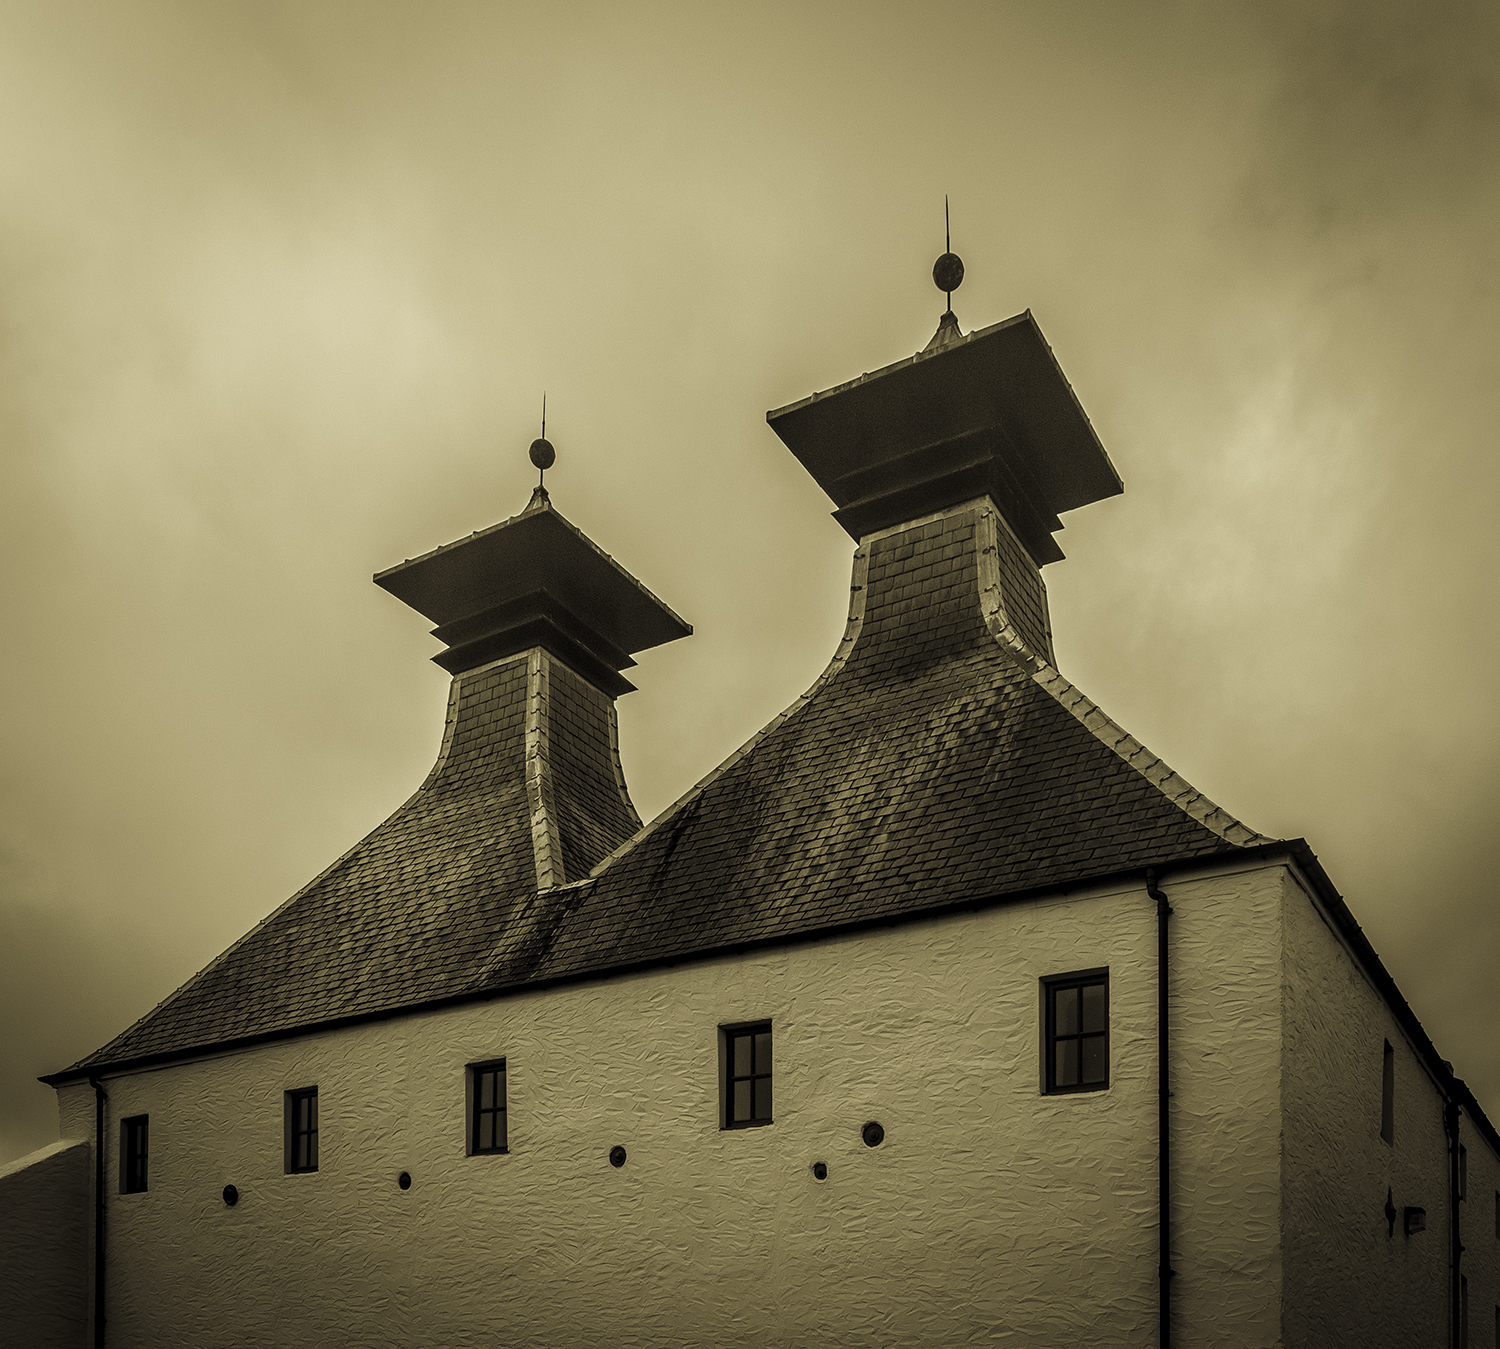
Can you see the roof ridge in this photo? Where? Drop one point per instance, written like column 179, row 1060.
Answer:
column 1099, row 723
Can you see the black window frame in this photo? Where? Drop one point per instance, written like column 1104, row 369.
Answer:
column 729, row 1036
column 135, row 1154
column 1051, row 985
column 300, row 1160
column 476, row 1110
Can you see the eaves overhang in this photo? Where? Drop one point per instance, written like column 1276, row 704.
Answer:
column 1295, row 850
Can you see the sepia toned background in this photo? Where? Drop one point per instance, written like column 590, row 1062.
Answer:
column 281, row 285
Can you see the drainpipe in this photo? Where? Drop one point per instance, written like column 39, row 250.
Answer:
column 1455, row 1245
column 99, row 1250
column 1164, row 1271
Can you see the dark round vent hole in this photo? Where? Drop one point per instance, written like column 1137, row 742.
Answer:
column 404, row 1180
column 617, row 1156
column 873, row 1135
column 231, row 1195
column 820, row 1170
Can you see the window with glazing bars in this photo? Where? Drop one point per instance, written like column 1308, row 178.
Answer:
column 487, row 1107
column 1076, row 1034
column 133, row 1153
column 302, row 1130
column 747, row 1077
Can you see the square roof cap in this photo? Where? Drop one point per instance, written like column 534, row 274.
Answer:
column 533, row 568
column 987, row 413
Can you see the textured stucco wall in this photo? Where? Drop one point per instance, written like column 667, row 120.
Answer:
column 990, row 1214
column 1347, row 1282
column 44, row 1239
column 1226, row 1051
column 1479, row 1218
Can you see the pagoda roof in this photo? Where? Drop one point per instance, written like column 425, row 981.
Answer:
column 934, row 764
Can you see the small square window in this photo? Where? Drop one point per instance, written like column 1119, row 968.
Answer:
column 487, row 1114
column 134, row 1150
column 1075, row 1040
column 747, row 1075
column 302, row 1130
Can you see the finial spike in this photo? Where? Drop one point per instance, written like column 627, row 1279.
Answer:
column 542, row 453
column 948, row 270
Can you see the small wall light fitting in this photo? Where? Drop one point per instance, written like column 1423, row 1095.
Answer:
column 872, row 1134
column 820, row 1170
column 231, row 1196
column 617, row 1156
column 404, row 1180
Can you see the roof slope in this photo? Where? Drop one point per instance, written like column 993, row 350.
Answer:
column 414, row 909
column 939, row 759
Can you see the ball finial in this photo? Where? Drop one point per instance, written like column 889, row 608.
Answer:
column 542, row 454
column 948, row 273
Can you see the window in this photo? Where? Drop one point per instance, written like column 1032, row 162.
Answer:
column 1388, row 1094
column 747, row 1075
column 1076, row 1031
column 133, row 1154
column 487, row 1107
column 302, row 1130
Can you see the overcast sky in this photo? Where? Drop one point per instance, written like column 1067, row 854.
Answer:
column 281, row 285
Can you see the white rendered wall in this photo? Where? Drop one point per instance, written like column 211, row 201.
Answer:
column 1226, row 1127
column 990, row 1214
column 1347, row 1282
column 1479, row 1219
column 44, row 1241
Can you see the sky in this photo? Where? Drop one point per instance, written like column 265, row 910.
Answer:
column 282, row 285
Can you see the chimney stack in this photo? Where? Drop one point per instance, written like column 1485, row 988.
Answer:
column 986, row 417
column 538, row 623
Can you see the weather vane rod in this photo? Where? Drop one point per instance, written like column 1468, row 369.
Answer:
column 948, row 270
column 542, row 453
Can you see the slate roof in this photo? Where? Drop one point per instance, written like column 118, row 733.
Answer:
column 940, row 759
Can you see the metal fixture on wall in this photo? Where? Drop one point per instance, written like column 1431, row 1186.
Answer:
column 404, row 1180
column 872, row 1134
column 617, row 1156
column 820, row 1170
column 231, row 1196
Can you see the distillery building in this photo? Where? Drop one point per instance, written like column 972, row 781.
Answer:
column 942, row 1012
